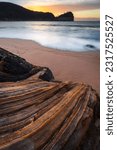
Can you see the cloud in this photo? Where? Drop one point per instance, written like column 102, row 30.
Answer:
column 20, row 2
column 54, row 2
column 63, row 2
column 76, row 4
column 77, row 7
column 68, row 7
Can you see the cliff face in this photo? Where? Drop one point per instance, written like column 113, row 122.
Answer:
column 13, row 12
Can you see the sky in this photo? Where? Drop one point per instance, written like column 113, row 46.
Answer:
column 82, row 9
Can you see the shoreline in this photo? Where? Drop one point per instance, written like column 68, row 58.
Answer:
column 50, row 48
column 65, row 65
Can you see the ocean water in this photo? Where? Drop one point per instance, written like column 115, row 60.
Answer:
column 71, row 36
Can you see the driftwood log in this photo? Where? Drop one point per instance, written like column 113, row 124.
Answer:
column 39, row 115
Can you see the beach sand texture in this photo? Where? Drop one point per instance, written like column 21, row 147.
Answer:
column 66, row 66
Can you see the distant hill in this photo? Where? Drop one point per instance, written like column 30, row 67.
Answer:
column 13, row 12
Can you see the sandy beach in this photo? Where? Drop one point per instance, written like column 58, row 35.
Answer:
column 66, row 66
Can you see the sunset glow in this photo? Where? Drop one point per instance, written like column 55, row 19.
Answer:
column 58, row 9
column 87, row 15
column 82, row 9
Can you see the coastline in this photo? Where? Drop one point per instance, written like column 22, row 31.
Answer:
column 71, row 66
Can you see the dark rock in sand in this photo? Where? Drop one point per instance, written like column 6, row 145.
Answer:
column 46, row 74
column 14, row 64
column 15, row 68
column 90, row 46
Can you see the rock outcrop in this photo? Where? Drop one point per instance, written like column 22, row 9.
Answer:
column 13, row 12
column 15, row 68
column 66, row 17
column 41, row 115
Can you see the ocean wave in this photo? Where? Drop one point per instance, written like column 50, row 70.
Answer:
column 71, row 39
column 68, row 43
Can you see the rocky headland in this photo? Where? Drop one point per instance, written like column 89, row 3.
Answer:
column 13, row 12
